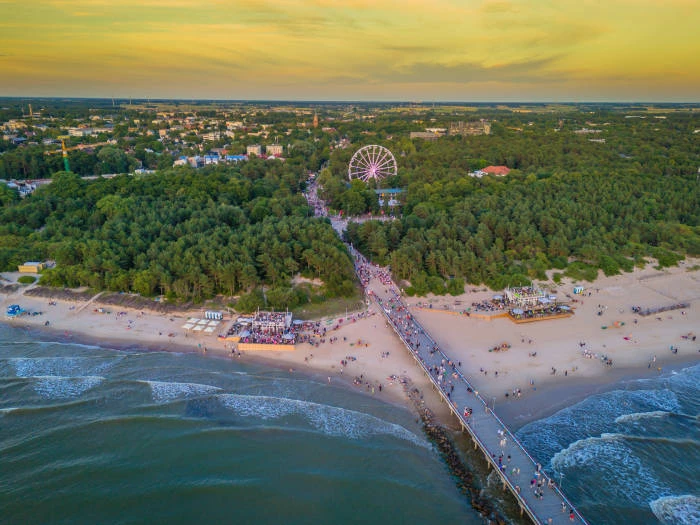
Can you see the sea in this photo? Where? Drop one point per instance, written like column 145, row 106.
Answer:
column 93, row 434
column 629, row 455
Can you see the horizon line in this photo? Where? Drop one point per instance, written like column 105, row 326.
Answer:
column 346, row 101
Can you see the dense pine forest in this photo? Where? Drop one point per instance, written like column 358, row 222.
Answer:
column 570, row 203
column 182, row 233
column 591, row 187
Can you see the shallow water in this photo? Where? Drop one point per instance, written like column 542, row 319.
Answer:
column 95, row 435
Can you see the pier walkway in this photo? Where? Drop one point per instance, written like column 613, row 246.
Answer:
column 538, row 496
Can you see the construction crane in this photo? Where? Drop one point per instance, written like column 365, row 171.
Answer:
column 64, row 150
column 65, row 155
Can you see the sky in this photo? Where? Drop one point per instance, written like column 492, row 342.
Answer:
column 410, row 50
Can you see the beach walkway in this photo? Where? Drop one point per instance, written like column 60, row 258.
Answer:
column 538, row 496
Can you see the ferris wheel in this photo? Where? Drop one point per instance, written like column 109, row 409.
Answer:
column 372, row 162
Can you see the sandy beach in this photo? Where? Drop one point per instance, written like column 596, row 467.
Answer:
column 550, row 363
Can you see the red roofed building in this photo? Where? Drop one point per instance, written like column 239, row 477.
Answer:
column 498, row 171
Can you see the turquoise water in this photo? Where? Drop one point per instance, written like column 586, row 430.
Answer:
column 631, row 455
column 95, row 435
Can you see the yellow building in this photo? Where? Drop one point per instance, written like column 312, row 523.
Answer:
column 31, row 267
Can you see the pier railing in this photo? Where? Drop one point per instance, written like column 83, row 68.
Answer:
column 536, row 514
column 532, row 513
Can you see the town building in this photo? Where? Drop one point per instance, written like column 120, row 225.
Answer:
column 524, row 296
column 31, row 267
column 481, row 127
column 254, row 149
column 424, row 135
column 498, row 171
column 274, row 149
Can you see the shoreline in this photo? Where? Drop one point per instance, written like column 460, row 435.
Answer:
column 544, row 361
column 323, row 367
column 539, row 405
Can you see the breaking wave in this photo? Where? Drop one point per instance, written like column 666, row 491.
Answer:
column 59, row 387
column 677, row 510
column 592, row 417
column 330, row 420
column 164, row 391
column 622, row 475
column 62, row 366
column 637, row 416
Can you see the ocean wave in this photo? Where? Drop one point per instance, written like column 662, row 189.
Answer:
column 677, row 510
column 620, row 474
column 329, row 420
column 637, row 416
column 62, row 366
column 59, row 387
column 164, row 391
column 56, row 343
column 592, row 417
column 15, row 411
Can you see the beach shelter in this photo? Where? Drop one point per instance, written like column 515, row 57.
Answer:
column 578, row 289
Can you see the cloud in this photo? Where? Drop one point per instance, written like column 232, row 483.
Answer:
column 499, row 6
column 398, row 48
column 463, row 73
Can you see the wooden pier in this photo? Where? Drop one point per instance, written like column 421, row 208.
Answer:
column 488, row 432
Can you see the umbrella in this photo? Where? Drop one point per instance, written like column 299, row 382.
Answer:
column 517, row 311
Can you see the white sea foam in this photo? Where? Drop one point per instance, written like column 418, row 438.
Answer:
column 164, row 391
column 622, row 475
column 62, row 366
column 47, row 343
column 58, row 387
column 330, row 420
column 677, row 510
column 637, row 416
column 592, row 417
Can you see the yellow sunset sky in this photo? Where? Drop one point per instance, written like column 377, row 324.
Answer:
column 430, row 50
